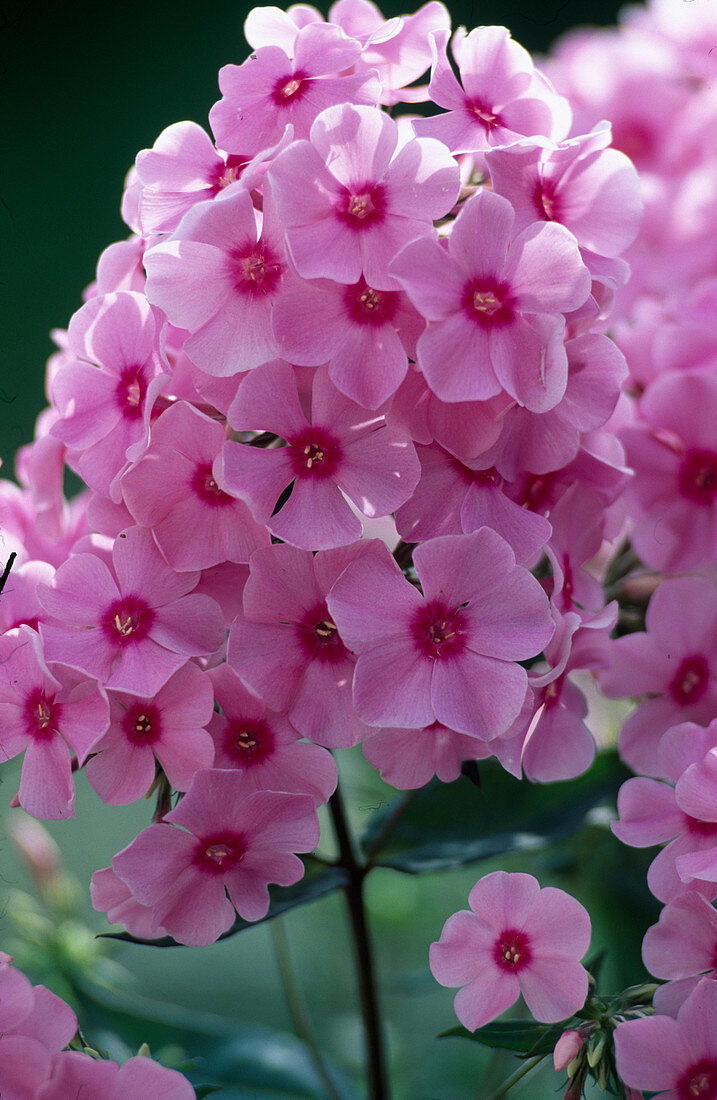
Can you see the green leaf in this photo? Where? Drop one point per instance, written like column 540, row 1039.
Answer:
column 450, row 824
column 319, row 879
column 214, row 1051
column 521, row 1036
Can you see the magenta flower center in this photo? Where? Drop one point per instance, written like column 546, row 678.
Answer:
column 129, row 392
column 320, row 637
column 206, row 488
column 285, row 90
column 691, row 680
column 248, row 741
column 699, row 1082
column 141, row 724
column 217, row 854
column 367, row 306
column 547, row 201
column 438, row 630
column 229, row 172
column 257, row 270
column 315, row 452
column 487, row 117
column 488, row 303
column 41, row 715
column 696, row 827
column 698, row 476
column 127, row 620
column 512, row 950
column 362, row 206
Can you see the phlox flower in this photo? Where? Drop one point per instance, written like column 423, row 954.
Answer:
column 170, row 727
column 106, row 394
column 112, row 896
column 672, row 449
column 218, row 276
column 495, row 303
column 78, row 1074
column 227, row 840
column 674, row 663
column 353, row 195
column 447, row 655
column 592, row 190
column 134, row 629
column 337, row 451
column 650, row 814
column 173, row 490
column 365, row 335
column 673, row 1059
column 270, row 90
column 682, row 946
column 263, row 745
column 45, row 714
column 286, row 646
column 20, row 604
column 502, row 99
column 516, row 939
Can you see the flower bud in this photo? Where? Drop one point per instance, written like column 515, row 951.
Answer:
column 566, row 1049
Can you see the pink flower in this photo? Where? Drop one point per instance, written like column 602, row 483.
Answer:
column 269, row 91
column 673, row 1059
column 218, row 276
column 132, row 632
column 228, row 840
column 448, row 655
column 674, row 663
column 286, row 646
column 681, row 946
column 338, row 450
column 408, row 759
column 169, row 727
column 351, row 197
column 173, row 490
column 495, row 305
column 504, row 99
column 517, row 938
column 45, row 714
column 105, row 396
column 79, row 1075
column 263, row 745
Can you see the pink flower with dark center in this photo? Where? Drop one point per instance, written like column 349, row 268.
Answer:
column 169, row 728
column 673, row 496
column 218, row 276
column 269, row 91
column 448, row 655
column 230, row 839
column 673, row 1059
column 173, row 490
column 132, row 632
column 339, row 450
column 287, row 647
column 502, row 99
column 365, row 335
column 516, row 938
column 351, row 197
column 263, row 745
column 674, row 663
column 45, row 714
column 105, row 396
column 495, row 303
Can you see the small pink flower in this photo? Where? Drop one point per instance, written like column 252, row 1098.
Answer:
column 517, row 938
column 228, row 840
column 682, row 947
column 78, row 1075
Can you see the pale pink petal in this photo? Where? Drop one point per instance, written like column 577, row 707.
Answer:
column 475, row 694
column 392, row 686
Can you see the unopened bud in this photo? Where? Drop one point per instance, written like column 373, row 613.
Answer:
column 595, row 1051
column 37, row 848
column 566, row 1049
column 144, row 1051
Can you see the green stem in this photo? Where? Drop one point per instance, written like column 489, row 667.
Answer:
column 297, row 1006
column 515, row 1077
column 356, row 871
column 391, row 821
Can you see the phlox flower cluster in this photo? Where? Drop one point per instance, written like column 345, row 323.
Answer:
column 36, row 1030
column 356, row 458
column 653, row 78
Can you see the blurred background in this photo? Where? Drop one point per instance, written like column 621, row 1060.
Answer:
column 83, row 87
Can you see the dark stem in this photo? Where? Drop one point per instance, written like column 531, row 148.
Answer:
column 377, row 1082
